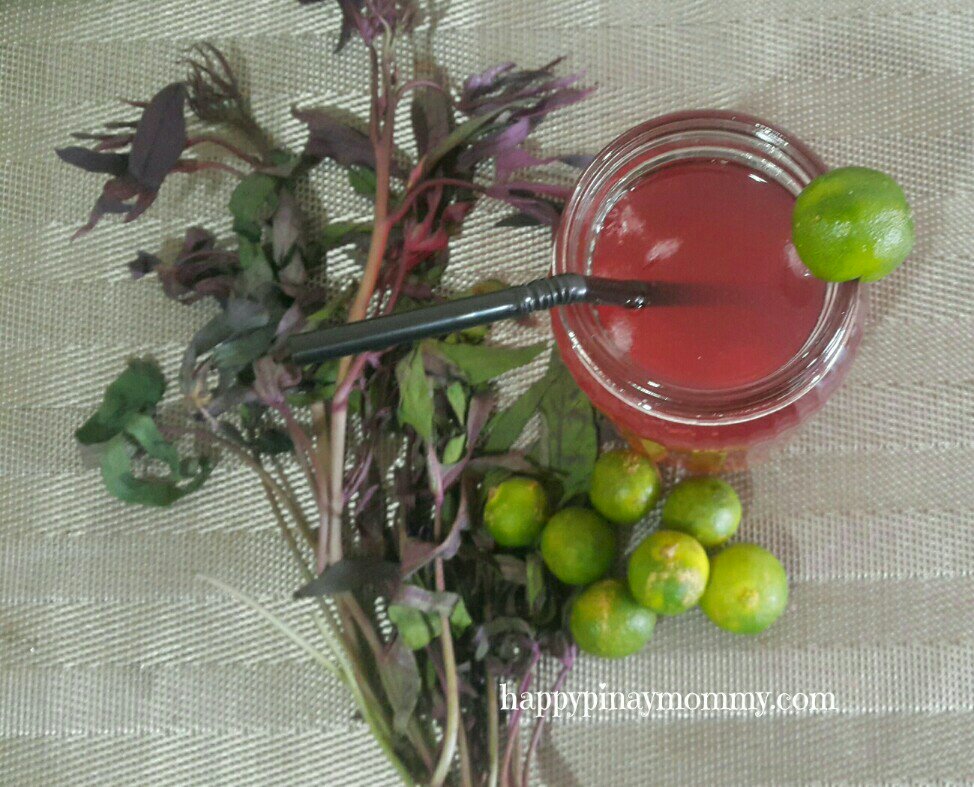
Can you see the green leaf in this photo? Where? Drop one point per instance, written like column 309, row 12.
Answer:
column 479, row 363
column 454, row 449
column 415, row 395
column 460, row 619
column 456, row 395
column 506, row 425
column 233, row 355
column 136, row 390
column 252, row 203
column 570, row 443
column 535, row 585
column 145, row 432
column 341, row 233
column 401, row 681
column 120, row 480
column 257, row 273
column 363, row 180
column 412, row 626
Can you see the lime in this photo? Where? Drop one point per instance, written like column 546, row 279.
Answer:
column 668, row 572
column 625, row 485
column 748, row 589
column 515, row 511
column 852, row 223
column 578, row 546
column 606, row 621
column 704, row 507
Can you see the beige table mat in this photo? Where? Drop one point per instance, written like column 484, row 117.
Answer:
column 117, row 666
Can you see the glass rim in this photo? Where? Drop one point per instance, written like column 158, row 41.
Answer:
column 733, row 136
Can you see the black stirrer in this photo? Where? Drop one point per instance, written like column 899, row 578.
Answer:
column 379, row 333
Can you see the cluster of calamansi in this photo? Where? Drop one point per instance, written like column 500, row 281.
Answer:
column 742, row 588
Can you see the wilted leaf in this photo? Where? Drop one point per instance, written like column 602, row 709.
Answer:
column 415, row 395
column 478, row 363
column 136, row 390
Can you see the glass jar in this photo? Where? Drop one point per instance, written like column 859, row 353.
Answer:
column 702, row 430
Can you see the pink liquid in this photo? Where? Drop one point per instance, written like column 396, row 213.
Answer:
column 725, row 226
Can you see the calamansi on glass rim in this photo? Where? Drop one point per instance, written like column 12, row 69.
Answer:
column 852, row 223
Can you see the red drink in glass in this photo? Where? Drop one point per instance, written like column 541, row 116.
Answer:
column 703, row 198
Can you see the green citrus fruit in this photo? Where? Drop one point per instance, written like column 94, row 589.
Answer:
column 704, row 507
column 625, row 485
column 748, row 589
column 852, row 223
column 515, row 512
column 668, row 572
column 606, row 621
column 578, row 546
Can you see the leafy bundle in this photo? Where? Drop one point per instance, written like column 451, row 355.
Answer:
column 419, row 614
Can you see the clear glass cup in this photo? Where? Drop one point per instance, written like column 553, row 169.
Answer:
column 701, row 430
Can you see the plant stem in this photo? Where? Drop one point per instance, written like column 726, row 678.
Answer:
column 567, row 663
column 493, row 729
column 331, row 535
column 451, row 692
column 510, row 775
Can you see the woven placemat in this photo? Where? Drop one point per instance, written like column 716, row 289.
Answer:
column 118, row 666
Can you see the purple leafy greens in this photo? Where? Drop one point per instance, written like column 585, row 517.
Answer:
column 375, row 468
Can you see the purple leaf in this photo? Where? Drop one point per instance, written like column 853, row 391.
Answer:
column 332, row 136
column 199, row 270
column 353, row 575
column 115, row 164
column 160, row 137
column 432, row 116
column 425, row 600
column 113, row 198
column 415, row 554
column 576, row 161
column 481, row 83
column 506, row 139
column 144, row 264
column 272, row 379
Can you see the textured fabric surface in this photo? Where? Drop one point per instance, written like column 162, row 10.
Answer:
column 118, row 666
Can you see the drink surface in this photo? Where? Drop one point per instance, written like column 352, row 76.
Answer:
column 725, row 226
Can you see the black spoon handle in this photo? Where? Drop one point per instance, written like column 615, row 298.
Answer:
column 450, row 316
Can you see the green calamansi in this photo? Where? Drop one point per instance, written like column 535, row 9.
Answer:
column 578, row 546
column 748, row 589
column 625, row 486
column 704, row 507
column 606, row 621
column 515, row 511
column 668, row 572
column 852, row 223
